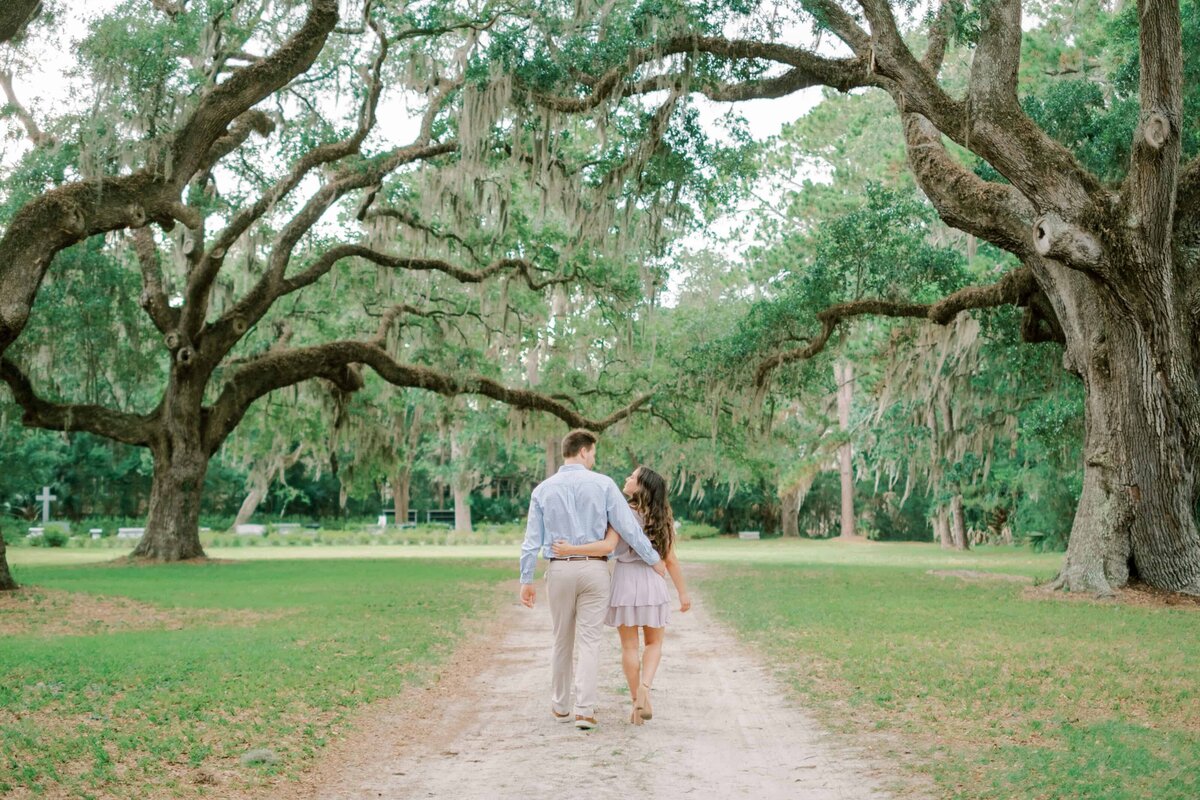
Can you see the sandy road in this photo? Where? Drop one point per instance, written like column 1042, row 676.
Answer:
column 722, row 729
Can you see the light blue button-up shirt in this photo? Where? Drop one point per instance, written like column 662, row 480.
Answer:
column 578, row 505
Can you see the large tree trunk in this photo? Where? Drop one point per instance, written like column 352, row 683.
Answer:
column 843, row 372
column 462, row 509
column 1136, row 512
column 180, row 464
column 7, row 584
column 261, row 479
column 462, row 482
column 791, row 511
column 253, row 498
column 958, row 525
column 401, row 491
column 173, row 524
column 553, row 455
column 941, row 528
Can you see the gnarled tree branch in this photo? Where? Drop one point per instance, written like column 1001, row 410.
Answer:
column 227, row 101
column 63, row 216
column 995, row 212
column 15, row 15
column 275, row 370
column 209, row 265
column 154, row 298
column 1151, row 184
column 225, row 332
column 36, row 135
column 807, row 70
column 134, row 429
column 997, row 58
column 1015, row 288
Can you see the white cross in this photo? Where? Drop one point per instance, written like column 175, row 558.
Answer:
column 44, row 498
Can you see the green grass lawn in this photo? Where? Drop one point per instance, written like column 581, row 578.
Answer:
column 130, row 681
column 991, row 694
column 770, row 551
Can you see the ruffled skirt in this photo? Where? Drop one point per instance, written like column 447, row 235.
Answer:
column 638, row 597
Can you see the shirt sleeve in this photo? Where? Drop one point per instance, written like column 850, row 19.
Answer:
column 535, row 536
column 621, row 518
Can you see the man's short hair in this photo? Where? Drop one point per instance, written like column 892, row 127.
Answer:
column 577, row 440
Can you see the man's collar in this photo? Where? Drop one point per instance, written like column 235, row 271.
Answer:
column 571, row 467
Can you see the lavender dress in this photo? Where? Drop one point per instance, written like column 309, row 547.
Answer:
column 638, row 595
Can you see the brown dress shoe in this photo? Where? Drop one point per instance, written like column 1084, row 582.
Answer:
column 585, row 723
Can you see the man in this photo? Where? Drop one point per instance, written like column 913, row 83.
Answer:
column 578, row 505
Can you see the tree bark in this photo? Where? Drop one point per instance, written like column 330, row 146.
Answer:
column 253, row 498
column 173, row 524
column 791, row 512
column 843, row 372
column 181, row 458
column 462, row 508
column 553, row 458
column 1136, row 512
column 401, row 490
column 7, row 584
column 941, row 528
column 15, row 15
column 958, row 526
column 463, row 481
column 261, row 480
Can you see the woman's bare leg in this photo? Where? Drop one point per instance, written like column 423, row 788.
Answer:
column 653, row 654
column 651, row 657
column 631, row 664
column 629, row 657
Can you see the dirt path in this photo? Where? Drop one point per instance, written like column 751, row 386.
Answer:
column 721, row 730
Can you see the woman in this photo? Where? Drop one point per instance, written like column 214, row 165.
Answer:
column 638, row 598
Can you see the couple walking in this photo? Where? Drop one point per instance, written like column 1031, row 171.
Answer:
column 577, row 519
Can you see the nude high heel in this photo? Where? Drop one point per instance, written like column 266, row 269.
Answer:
column 643, row 702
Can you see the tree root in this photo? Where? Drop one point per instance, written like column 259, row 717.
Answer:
column 1097, row 585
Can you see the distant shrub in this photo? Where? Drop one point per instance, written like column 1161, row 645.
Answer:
column 696, row 530
column 56, row 535
column 1046, row 542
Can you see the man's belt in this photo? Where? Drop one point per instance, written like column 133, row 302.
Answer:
column 579, row 558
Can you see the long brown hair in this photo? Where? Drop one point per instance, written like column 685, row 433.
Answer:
column 650, row 500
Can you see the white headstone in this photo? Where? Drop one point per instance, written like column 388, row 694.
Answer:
column 748, row 534
column 130, row 533
column 44, row 498
column 250, row 530
column 96, row 532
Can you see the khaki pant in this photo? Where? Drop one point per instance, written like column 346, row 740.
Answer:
column 578, row 592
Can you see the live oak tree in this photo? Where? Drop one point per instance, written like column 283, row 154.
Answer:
column 241, row 225
column 1106, row 267
column 14, row 16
